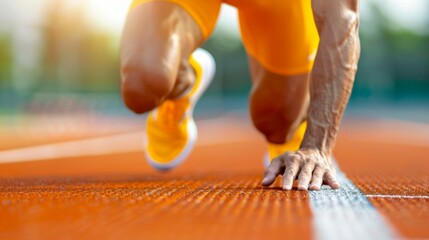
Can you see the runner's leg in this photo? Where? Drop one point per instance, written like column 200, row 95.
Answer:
column 157, row 41
column 278, row 103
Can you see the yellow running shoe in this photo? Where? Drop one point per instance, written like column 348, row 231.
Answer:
column 275, row 150
column 171, row 132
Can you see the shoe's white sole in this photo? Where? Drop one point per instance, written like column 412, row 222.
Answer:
column 208, row 65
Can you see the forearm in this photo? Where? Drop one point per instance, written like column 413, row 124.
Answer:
column 333, row 73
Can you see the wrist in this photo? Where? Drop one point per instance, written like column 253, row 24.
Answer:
column 318, row 137
column 322, row 152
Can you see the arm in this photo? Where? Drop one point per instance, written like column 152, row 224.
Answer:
column 331, row 83
column 334, row 70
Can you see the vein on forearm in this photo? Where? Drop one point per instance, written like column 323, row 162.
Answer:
column 331, row 80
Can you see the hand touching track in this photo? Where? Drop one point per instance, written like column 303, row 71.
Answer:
column 309, row 166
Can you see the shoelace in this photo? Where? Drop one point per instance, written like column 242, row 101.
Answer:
column 171, row 112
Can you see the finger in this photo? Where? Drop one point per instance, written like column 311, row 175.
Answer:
column 273, row 170
column 317, row 180
column 304, row 177
column 331, row 180
column 290, row 174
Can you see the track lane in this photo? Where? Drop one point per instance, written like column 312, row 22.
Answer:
column 377, row 168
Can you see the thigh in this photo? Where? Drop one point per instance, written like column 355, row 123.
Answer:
column 165, row 32
column 204, row 13
column 281, row 35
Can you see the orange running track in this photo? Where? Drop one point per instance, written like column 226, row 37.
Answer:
column 89, row 180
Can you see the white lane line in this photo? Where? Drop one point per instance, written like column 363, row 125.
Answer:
column 87, row 147
column 114, row 144
column 396, row 196
column 347, row 214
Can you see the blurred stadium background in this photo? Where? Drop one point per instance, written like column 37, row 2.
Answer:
column 62, row 56
column 59, row 100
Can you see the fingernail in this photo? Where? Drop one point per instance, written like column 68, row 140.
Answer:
column 287, row 187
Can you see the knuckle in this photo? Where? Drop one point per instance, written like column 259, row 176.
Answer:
column 300, row 157
column 318, row 174
column 290, row 172
column 330, row 173
column 275, row 160
column 329, row 177
column 306, row 172
column 270, row 171
column 309, row 160
column 293, row 160
column 279, row 161
column 317, row 178
column 292, row 166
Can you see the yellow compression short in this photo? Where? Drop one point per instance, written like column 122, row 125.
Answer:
column 280, row 34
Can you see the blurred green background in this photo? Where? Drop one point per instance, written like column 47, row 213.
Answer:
column 62, row 56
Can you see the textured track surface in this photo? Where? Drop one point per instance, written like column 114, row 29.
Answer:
column 390, row 164
column 215, row 194
column 152, row 207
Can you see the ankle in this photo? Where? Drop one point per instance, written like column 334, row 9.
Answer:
column 185, row 82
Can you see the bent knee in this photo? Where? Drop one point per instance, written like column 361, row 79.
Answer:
column 145, row 87
column 274, row 127
column 274, row 123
